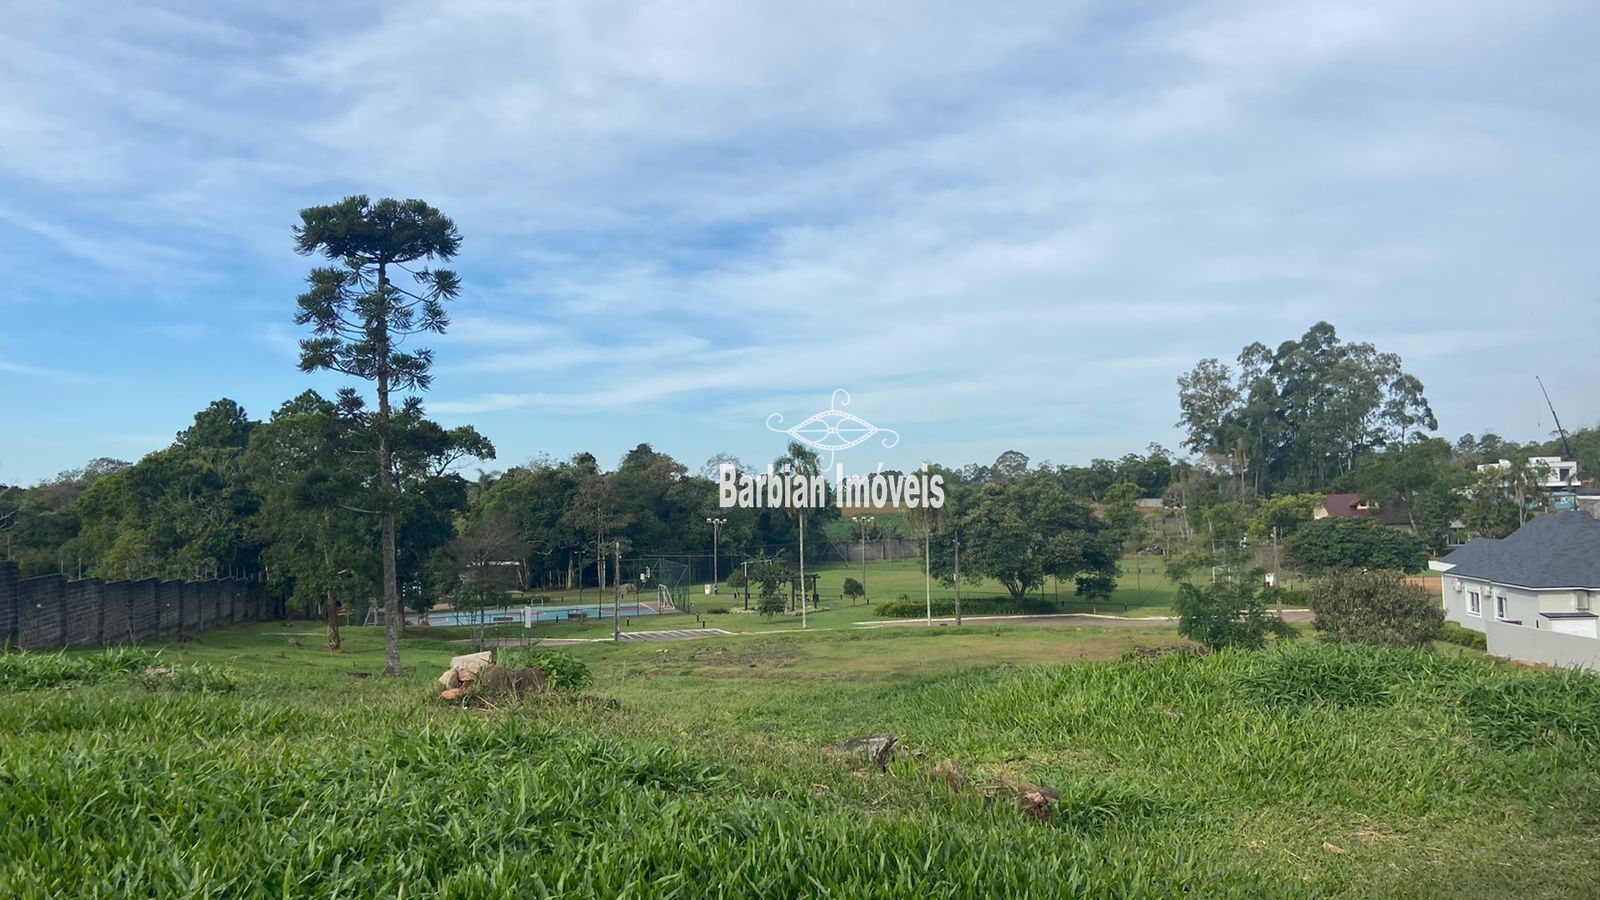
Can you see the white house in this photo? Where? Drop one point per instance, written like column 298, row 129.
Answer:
column 1555, row 472
column 1534, row 594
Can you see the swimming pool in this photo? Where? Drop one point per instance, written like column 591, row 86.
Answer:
column 519, row 615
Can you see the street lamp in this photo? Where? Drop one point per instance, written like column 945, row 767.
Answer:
column 716, row 536
column 863, row 520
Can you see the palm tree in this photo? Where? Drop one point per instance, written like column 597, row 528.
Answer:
column 798, row 459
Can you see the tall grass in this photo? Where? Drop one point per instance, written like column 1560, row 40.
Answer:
column 30, row 671
column 1211, row 775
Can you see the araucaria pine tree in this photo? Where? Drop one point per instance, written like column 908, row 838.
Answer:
column 360, row 317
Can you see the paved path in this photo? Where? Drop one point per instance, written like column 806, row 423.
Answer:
column 1048, row 620
column 682, row 634
column 1059, row 620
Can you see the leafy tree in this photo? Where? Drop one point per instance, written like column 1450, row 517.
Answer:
column 1020, row 531
column 1402, row 475
column 1232, row 612
column 770, row 574
column 360, row 317
column 770, row 604
column 1491, row 509
column 1123, row 516
column 475, row 595
column 1302, row 414
column 1010, row 464
column 1330, row 545
column 178, row 513
column 306, row 465
column 853, row 590
column 1280, row 516
column 1375, row 608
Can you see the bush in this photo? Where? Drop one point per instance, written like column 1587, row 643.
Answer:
column 769, row 605
column 717, row 611
column 1378, row 608
column 853, row 589
column 1331, row 545
column 1229, row 613
column 563, row 670
column 1452, row 633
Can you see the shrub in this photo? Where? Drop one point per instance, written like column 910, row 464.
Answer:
column 1229, row 613
column 1452, row 633
column 1330, row 545
column 1378, row 608
column 717, row 611
column 769, row 605
column 563, row 670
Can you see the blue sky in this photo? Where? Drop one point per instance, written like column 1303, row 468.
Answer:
column 1002, row 225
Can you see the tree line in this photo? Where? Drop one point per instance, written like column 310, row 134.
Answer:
column 333, row 499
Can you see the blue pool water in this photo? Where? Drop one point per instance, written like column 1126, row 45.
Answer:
column 515, row 615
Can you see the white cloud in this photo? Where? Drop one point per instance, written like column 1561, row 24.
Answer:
column 1027, row 215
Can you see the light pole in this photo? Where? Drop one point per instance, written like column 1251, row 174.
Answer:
column 863, row 520
column 616, row 601
column 716, row 536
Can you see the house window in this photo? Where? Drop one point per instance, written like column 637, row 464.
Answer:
column 1500, row 607
column 1474, row 604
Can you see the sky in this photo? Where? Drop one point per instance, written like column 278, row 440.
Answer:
column 998, row 225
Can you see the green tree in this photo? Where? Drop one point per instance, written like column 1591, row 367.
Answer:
column 1303, row 414
column 800, row 460
column 853, row 590
column 1375, row 608
column 1021, row 530
column 1402, row 475
column 360, row 317
column 1331, row 545
column 307, row 467
column 1123, row 516
column 1232, row 612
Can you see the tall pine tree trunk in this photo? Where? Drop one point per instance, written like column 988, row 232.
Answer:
column 391, row 580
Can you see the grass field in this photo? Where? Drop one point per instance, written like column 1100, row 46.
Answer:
column 1303, row 770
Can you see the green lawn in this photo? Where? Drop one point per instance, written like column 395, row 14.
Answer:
column 1303, row 770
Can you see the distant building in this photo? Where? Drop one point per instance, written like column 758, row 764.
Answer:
column 1351, row 506
column 1555, row 472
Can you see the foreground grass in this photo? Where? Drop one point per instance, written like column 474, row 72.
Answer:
column 1303, row 770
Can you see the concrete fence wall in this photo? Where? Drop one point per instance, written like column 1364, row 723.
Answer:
column 890, row 548
column 51, row 613
column 1541, row 645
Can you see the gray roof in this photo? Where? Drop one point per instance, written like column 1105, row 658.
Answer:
column 1555, row 550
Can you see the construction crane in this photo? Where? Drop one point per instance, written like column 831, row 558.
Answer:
column 1565, row 444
